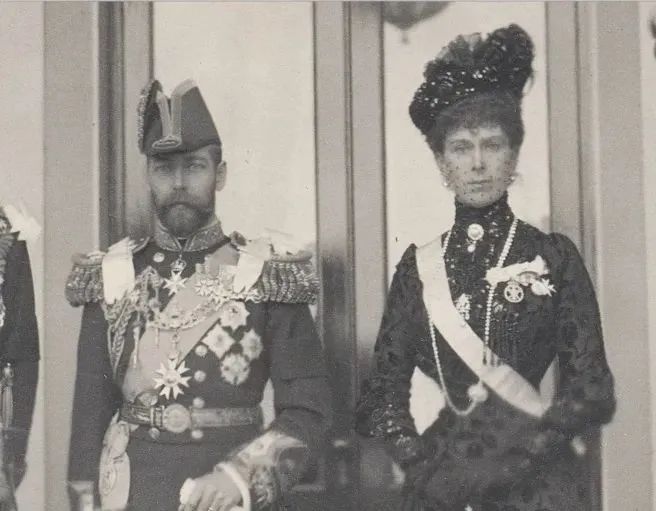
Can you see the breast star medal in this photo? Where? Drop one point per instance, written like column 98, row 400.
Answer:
column 170, row 379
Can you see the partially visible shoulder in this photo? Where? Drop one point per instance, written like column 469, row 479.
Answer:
column 558, row 249
column 565, row 249
column 5, row 224
column 408, row 261
column 409, row 256
column 14, row 219
column 556, row 240
column 407, row 265
column 85, row 282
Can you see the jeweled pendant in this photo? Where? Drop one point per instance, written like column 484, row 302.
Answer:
column 475, row 232
column 178, row 265
column 513, row 292
column 477, row 392
column 463, row 306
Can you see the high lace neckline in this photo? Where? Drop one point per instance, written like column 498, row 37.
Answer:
column 498, row 214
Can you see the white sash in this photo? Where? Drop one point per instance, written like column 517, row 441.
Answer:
column 507, row 383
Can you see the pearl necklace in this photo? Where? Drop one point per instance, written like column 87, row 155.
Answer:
column 477, row 393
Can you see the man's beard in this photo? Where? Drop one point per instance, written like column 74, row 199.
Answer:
column 184, row 216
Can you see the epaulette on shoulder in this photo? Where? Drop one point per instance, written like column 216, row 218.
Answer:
column 289, row 278
column 85, row 282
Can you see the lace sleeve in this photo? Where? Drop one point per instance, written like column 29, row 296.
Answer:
column 383, row 409
column 585, row 395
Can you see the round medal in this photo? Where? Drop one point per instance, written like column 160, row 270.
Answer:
column 513, row 292
column 158, row 257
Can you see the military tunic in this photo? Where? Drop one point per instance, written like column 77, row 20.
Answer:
column 19, row 338
column 496, row 457
column 265, row 332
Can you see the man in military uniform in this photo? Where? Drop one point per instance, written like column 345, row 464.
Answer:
column 19, row 349
column 181, row 332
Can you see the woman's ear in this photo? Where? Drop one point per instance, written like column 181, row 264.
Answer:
column 221, row 175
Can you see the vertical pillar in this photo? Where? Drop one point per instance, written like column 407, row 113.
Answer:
column 71, row 210
column 614, row 225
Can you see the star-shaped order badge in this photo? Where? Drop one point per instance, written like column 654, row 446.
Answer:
column 171, row 380
column 175, row 283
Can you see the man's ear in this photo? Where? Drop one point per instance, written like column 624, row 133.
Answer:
column 221, row 175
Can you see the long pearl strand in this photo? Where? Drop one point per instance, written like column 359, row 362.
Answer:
column 477, row 392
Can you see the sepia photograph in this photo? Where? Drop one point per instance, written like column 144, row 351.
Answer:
column 328, row 256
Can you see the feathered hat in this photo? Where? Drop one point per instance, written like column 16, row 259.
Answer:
column 179, row 123
column 471, row 65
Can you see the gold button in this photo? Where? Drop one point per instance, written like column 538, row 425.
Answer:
column 201, row 350
column 198, row 402
column 200, row 376
column 197, row 434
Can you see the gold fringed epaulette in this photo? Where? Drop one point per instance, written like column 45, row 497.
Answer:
column 289, row 279
column 85, row 282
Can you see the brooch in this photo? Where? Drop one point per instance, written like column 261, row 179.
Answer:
column 520, row 275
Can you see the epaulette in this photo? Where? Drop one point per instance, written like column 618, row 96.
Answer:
column 85, row 282
column 286, row 277
column 289, row 278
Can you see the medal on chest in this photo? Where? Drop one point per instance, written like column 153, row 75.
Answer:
column 170, row 379
column 175, row 282
column 513, row 292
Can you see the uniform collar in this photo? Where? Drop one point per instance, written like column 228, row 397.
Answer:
column 202, row 239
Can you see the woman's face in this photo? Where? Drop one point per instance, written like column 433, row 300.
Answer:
column 478, row 164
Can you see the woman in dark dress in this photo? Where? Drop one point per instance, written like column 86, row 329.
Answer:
column 504, row 302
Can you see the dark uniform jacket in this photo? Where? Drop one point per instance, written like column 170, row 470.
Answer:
column 496, row 457
column 268, row 334
column 19, row 338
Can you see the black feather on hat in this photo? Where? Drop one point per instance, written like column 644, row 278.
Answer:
column 471, row 65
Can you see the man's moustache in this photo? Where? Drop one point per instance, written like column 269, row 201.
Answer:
column 166, row 208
